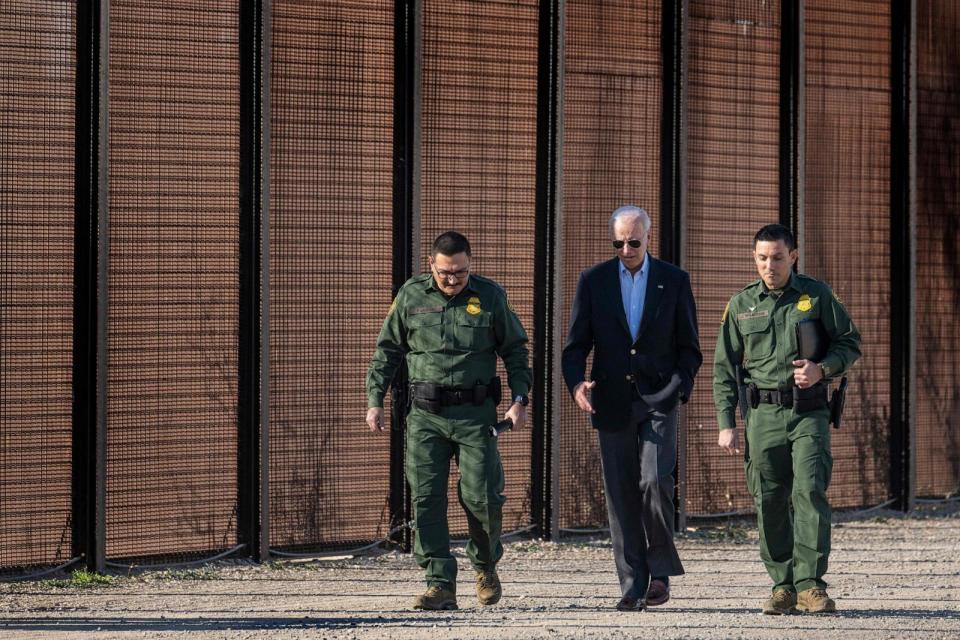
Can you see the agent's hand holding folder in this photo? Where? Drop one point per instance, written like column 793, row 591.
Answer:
column 813, row 344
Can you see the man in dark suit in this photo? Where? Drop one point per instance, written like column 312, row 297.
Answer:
column 638, row 316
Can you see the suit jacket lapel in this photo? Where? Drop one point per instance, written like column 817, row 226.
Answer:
column 614, row 295
column 651, row 301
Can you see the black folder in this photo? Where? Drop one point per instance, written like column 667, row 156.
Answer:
column 812, row 340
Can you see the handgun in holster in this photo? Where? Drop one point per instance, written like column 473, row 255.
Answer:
column 742, row 399
column 836, row 403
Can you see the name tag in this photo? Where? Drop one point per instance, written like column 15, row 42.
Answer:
column 750, row 315
column 417, row 310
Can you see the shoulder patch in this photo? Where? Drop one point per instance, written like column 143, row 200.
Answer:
column 726, row 310
column 393, row 307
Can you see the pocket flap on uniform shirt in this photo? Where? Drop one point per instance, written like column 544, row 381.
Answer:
column 423, row 319
column 753, row 322
column 466, row 319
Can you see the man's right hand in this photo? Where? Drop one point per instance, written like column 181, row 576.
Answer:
column 729, row 440
column 581, row 395
column 375, row 418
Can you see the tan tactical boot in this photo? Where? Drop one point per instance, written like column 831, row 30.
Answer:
column 815, row 600
column 781, row 602
column 488, row 587
column 436, row 599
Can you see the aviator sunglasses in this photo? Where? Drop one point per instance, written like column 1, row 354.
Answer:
column 618, row 244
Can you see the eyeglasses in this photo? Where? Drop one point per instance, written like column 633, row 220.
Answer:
column 446, row 275
column 636, row 244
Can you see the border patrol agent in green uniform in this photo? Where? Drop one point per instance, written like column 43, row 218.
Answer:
column 787, row 456
column 451, row 326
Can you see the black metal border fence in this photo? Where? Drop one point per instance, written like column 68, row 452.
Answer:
column 353, row 130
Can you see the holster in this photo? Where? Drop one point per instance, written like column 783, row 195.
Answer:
column 837, row 401
column 742, row 400
column 810, row 399
column 753, row 395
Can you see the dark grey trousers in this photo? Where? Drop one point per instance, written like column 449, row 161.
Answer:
column 638, row 463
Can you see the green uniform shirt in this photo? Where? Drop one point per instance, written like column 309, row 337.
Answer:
column 758, row 330
column 449, row 341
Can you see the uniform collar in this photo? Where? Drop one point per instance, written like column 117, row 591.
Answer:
column 793, row 283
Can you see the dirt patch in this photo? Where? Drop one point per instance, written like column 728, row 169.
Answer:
column 893, row 576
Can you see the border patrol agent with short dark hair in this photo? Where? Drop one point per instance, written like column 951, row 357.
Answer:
column 787, row 457
column 451, row 326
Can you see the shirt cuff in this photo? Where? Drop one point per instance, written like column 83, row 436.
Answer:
column 375, row 399
column 726, row 420
column 518, row 391
column 831, row 366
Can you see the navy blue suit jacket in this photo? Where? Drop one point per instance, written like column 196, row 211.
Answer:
column 659, row 365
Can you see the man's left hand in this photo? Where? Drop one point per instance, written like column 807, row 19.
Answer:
column 518, row 413
column 807, row 373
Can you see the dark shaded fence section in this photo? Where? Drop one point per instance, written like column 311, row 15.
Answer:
column 37, row 46
column 611, row 156
column 937, row 332
column 478, row 173
column 233, row 270
column 847, row 177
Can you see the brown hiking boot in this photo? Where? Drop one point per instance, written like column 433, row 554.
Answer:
column 783, row 601
column 436, row 598
column 488, row 587
column 815, row 600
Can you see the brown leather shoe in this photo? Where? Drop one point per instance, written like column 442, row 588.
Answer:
column 629, row 603
column 657, row 593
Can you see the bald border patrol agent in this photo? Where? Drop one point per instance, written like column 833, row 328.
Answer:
column 787, row 456
column 451, row 325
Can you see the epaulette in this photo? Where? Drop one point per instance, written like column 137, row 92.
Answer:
column 490, row 283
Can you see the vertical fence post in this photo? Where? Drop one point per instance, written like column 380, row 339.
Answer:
column 791, row 116
column 253, row 514
column 91, row 237
column 404, row 165
column 902, row 251
column 546, row 238
column 671, row 191
column 671, row 83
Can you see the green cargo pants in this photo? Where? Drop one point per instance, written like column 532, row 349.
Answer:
column 788, row 460
column 460, row 432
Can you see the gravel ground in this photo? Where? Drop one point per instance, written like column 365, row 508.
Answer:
column 892, row 576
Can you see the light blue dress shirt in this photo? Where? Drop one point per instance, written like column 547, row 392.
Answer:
column 633, row 289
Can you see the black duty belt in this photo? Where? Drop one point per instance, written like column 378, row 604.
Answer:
column 782, row 397
column 433, row 397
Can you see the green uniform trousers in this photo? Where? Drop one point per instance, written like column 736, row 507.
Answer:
column 788, row 460
column 460, row 432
